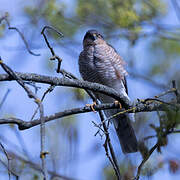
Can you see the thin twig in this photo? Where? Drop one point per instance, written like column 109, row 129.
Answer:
column 8, row 159
column 33, row 84
column 37, row 166
column 50, row 89
column 174, row 131
column 54, row 56
column 164, row 93
column 177, row 8
column 21, row 142
column 4, row 98
column 158, row 100
column 107, row 145
column 98, row 126
column 30, row 94
column 11, row 171
column 144, row 161
column 5, row 18
column 149, row 137
column 176, row 91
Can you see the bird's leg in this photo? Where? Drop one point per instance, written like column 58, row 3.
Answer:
column 118, row 103
column 92, row 106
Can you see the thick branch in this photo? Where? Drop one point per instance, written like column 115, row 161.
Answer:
column 139, row 107
column 70, row 83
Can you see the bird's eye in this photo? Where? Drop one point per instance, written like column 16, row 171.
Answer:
column 99, row 36
column 93, row 36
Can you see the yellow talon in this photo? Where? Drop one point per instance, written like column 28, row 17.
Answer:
column 43, row 154
column 92, row 106
column 37, row 100
column 118, row 103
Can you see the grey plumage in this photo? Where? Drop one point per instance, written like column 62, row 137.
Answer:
column 100, row 63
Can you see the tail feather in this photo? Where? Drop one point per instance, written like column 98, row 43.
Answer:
column 124, row 132
column 122, row 125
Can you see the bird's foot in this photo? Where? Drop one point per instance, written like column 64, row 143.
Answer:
column 92, row 106
column 118, row 103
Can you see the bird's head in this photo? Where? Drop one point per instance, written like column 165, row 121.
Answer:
column 92, row 37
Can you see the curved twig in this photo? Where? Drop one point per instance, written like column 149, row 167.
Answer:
column 5, row 18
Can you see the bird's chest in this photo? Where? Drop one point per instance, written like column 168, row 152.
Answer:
column 87, row 63
column 97, row 66
column 98, row 58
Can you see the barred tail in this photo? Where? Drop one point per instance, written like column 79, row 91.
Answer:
column 124, row 132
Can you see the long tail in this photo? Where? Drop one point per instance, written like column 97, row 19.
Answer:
column 122, row 125
column 124, row 131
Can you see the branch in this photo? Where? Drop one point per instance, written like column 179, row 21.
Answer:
column 144, row 160
column 107, row 145
column 54, row 56
column 8, row 159
column 176, row 91
column 11, row 171
column 37, row 166
column 32, row 95
column 4, row 98
column 5, row 18
column 147, row 105
column 70, row 83
column 176, row 8
column 55, row 81
column 139, row 107
column 50, row 89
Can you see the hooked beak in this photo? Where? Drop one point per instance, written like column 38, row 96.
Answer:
column 95, row 36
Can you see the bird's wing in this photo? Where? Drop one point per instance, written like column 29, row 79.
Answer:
column 125, row 84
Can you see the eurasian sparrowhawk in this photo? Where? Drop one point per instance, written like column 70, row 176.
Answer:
column 99, row 62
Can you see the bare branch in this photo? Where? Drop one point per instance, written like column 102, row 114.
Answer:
column 71, row 76
column 45, row 93
column 22, row 125
column 107, row 145
column 147, row 105
column 37, row 166
column 4, row 98
column 12, row 172
column 70, row 83
column 54, row 56
column 144, row 161
column 176, row 91
column 9, row 71
column 5, row 18
column 177, row 8
column 8, row 159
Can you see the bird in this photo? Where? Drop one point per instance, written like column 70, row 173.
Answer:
column 100, row 63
